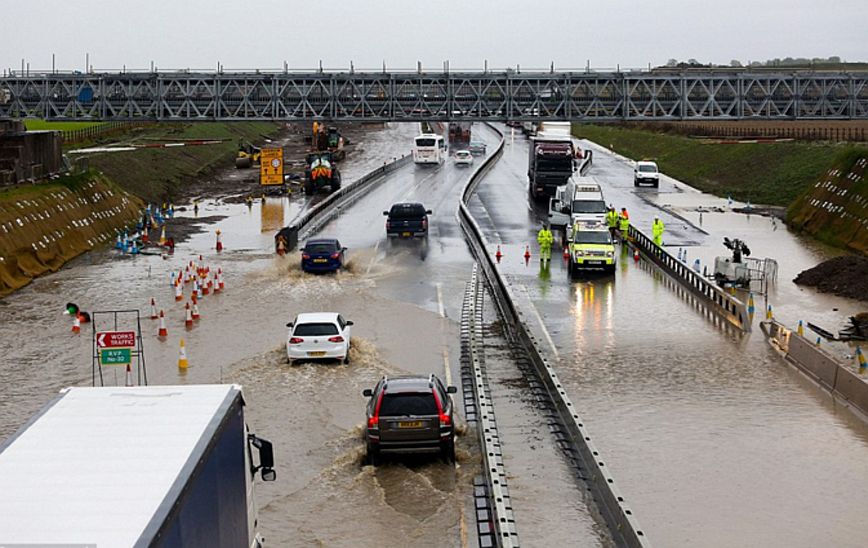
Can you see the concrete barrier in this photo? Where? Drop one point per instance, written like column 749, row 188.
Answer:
column 722, row 303
column 820, row 366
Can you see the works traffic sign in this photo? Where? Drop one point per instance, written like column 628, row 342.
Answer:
column 116, row 339
column 271, row 166
column 115, row 356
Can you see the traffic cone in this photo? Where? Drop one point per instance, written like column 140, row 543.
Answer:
column 498, row 255
column 163, row 236
column 818, row 341
column 219, row 242
column 179, row 292
column 163, row 332
column 182, row 356
column 526, row 254
column 205, row 288
column 194, row 297
column 153, row 309
column 220, row 276
column 860, row 358
column 751, row 309
column 801, row 329
column 195, row 311
column 129, row 376
column 76, row 324
column 566, row 253
column 188, row 316
column 636, row 254
column 215, row 284
column 769, row 314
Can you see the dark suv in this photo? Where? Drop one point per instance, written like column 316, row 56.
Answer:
column 410, row 415
column 407, row 220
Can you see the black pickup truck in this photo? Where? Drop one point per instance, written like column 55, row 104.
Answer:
column 407, row 220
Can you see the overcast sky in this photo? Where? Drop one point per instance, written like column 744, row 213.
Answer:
column 530, row 33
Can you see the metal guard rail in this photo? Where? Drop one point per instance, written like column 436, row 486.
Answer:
column 328, row 207
column 623, row 526
column 723, row 304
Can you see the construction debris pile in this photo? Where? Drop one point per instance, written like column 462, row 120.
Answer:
column 845, row 276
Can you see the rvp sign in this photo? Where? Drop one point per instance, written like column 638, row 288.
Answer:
column 116, row 339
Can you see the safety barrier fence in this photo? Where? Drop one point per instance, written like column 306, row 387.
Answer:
column 100, row 130
column 723, row 304
column 820, row 366
column 622, row 524
column 331, row 206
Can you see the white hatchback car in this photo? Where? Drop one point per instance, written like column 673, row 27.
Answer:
column 319, row 335
column 463, row 157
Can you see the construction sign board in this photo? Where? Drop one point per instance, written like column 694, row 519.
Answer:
column 116, row 339
column 271, row 166
column 115, row 356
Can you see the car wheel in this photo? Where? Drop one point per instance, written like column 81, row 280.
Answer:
column 373, row 456
column 635, row 183
column 308, row 188
column 657, row 184
column 347, row 358
column 447, row 451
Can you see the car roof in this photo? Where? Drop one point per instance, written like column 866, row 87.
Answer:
column 317, row 317
column 462, row 152
column 407, row 384
column 646, row 162
column 322, row 241
column 408, row 205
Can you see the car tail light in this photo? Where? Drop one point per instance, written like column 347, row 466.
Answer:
column 424, row 223
column 445, row 420
column 336, row 339
column 305, row 256
column 388, row 225
column 296, row 340
column 374, row 422
column 335, row 255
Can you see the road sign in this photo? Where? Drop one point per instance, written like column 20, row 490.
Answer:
column 271, row 166
column 115, row 356
column 116, row 339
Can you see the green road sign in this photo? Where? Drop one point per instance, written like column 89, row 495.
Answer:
column 115, row 356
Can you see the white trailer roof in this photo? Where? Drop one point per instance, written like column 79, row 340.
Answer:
column 93, row 467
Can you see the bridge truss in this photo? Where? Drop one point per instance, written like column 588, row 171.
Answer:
column 396, row 96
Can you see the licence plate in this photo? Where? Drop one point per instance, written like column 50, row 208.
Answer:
column 410, row 424
column 594, row 262
column 320, row 260
column 406, row 234
column 315, row 354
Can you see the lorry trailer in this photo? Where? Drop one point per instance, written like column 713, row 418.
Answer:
column 551, row 159
column 163, row 466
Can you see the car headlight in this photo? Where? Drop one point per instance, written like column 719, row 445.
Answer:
column 580, row 253
column 610, row 254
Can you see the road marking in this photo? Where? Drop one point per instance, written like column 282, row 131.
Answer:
column 541, row 324
column 412, row 190
column 447, row 372
column 373, row 259
column 462, row 526
column 440, row 308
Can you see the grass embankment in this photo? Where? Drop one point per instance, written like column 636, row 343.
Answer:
column 45, row 225
column 158, row 174
column 773, row 174
column 40, row 125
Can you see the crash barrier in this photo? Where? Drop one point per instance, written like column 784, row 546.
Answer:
column 722, row 303
column 587, row 161
column 326, row 208
column 623, row 526
column 498, row 529
column 820, row 366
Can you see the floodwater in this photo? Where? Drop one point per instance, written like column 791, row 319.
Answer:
column 711, row 438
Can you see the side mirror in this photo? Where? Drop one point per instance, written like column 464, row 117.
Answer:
column 289, row 324
column 303, row 250
column 428, row 211
column 367, row 392
column 451, row 390
column 350, row 322
column 343, row 249
column 386, row 213
column 266, row 457
column 268, row 474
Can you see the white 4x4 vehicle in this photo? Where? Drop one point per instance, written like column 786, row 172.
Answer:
column 646, row 173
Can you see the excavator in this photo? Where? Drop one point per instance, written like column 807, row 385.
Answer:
column 321, row 171
column 248, row 155
column 329, row 139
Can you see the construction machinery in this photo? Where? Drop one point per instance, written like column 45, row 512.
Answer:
column 329, row 139
column 320, row 171
column 459, row 132
column 733, row 271
column 248, row 155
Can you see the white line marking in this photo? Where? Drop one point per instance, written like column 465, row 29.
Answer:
column 440, row 308
column 373, row 259
column 541, row 324
column 447, row 372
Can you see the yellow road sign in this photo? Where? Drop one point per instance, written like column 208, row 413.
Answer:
column 271, row 166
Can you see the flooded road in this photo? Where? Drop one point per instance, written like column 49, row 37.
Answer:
column 712, row 440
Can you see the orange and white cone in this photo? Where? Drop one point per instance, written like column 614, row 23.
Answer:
column 205, row 288
column 526, row 253
column 129, row 376
column 163, row 332
column 636, row 254
column 215, row 284
column 182, row 356
column 188, row 316
column 498, row 255
column 219, row 242
column 179, row 292
column 76, row 324
column 163, row 236
column 220, row 277
column 195, row 311
column 153, row 309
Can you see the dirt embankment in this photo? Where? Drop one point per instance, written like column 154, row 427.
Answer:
column 845, row 276
column 43, row 226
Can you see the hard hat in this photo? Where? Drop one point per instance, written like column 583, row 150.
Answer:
column 656, row 218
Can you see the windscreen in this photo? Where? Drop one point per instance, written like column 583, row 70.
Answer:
column 315, row 329
column 589, row 206
column 324, row 247
column 424, row 142
column 562, row 164
column 416, row 211
column 592, row 237
column 647, row 169
column 408, row 403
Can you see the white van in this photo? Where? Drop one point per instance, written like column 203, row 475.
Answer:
column 581, row 199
